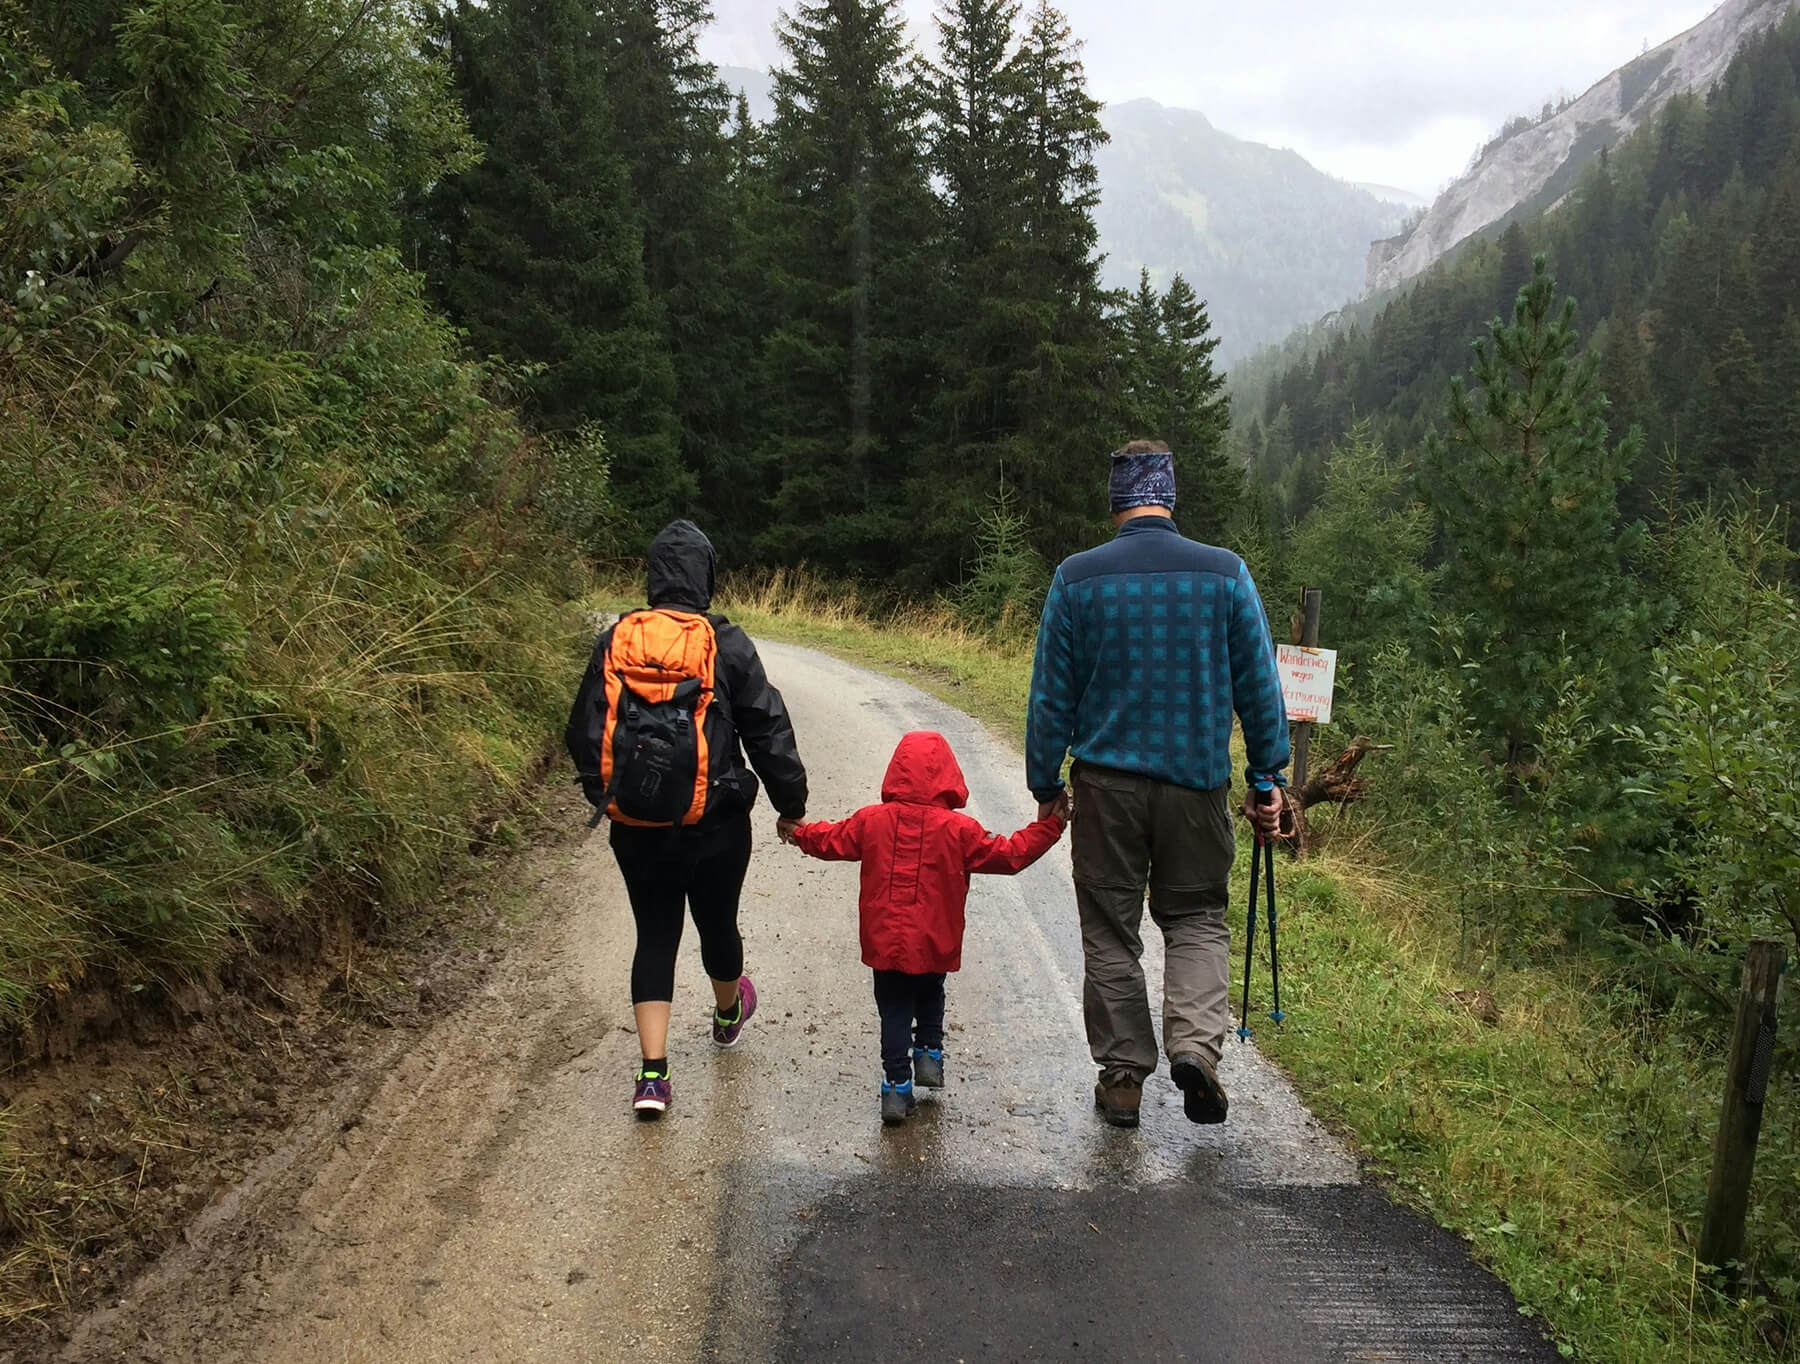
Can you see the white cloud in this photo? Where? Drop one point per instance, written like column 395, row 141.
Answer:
column 1393, row 93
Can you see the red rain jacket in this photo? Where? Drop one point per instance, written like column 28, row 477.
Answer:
column 917, row 853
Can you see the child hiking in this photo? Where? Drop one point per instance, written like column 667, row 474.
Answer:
column 917, row 853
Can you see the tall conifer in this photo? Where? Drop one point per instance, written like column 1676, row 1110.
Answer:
column 846, row 368
column 1524, row 487
column 538, row 251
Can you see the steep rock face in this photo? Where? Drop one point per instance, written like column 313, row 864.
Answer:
column 1533, row 169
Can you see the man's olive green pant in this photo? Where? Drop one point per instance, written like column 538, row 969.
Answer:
column 1131, row 832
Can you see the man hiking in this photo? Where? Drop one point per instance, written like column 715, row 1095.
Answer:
column 1146, row 647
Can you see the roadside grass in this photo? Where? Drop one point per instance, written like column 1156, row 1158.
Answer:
column 1545, row 1114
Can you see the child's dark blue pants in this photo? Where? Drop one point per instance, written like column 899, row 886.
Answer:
column 912, row 1015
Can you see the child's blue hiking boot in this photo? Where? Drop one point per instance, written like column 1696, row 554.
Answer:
column 928, row 1067
column 897, row 1102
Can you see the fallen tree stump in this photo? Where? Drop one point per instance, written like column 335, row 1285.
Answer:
column 1337, row 784
column 1339, row 781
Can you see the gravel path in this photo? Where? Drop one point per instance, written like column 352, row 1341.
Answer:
column 487, row 1197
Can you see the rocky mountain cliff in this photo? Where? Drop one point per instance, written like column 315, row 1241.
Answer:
column 1532, row 169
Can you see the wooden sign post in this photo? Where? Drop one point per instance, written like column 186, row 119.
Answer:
column 1310, row 601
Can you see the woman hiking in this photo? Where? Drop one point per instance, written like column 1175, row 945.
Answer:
column 673, row 700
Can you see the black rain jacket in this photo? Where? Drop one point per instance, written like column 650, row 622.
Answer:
column 747, row 716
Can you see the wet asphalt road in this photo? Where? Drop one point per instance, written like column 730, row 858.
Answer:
column 489, row 1198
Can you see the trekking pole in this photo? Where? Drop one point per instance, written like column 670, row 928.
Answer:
column 1256, row 860
column 1268, row 851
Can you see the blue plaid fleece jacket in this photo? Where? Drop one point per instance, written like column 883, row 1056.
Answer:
column 1146, row 647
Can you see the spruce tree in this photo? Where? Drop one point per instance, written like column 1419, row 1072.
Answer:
column 1141, row 334
column 1173, row 393
column 671, row 110
column 1524, row 488
column 851, row 217
column 971, row 100
column 1070, row 391
column 1198, row 423
column 1782, row 415
column 538, row 251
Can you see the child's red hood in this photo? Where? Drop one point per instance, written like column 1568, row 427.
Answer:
column 923, row 771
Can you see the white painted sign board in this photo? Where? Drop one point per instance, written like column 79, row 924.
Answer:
column 1307, row 678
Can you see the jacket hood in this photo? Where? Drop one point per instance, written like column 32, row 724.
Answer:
column 681, row 563
column 924, row 771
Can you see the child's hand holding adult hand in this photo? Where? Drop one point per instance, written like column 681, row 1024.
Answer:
column 784, row 829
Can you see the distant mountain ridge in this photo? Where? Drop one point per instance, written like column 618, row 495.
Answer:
column 1266, row 238
column 1530, row 171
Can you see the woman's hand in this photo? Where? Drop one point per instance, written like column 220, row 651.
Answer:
column 784, row 829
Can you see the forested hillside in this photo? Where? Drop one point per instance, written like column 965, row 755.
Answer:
column 1682, row 250
column 280, row 576
column 1534, row 162
column 1557, row 567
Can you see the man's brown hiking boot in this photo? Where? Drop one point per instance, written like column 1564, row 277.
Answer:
column 1204, row 1097
column 1118, row 1096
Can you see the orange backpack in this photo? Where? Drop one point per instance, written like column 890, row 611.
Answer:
column 659, row 675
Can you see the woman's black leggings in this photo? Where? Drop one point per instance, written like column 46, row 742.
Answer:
column 668, row 872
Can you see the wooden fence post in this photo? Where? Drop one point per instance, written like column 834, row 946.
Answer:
column 1746, row 1086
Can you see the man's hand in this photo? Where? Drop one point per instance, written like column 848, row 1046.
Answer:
column 1063, row 806
column 784, row 829
column 1266, row 818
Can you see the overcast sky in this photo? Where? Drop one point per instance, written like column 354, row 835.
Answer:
column 1365, row 90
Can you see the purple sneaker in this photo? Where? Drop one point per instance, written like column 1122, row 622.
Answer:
column 652, row 1096
column 726, row 1034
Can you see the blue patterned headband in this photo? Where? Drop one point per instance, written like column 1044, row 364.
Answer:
column 1142, row 481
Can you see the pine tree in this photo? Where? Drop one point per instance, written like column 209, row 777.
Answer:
column 671, row 109
column 1173, row 394
column 971, row 96
column 1514, row 266
column 1525, row 491
column 851, row 218
column 538, row 252
column 1208, row 484
column 1071, row 390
